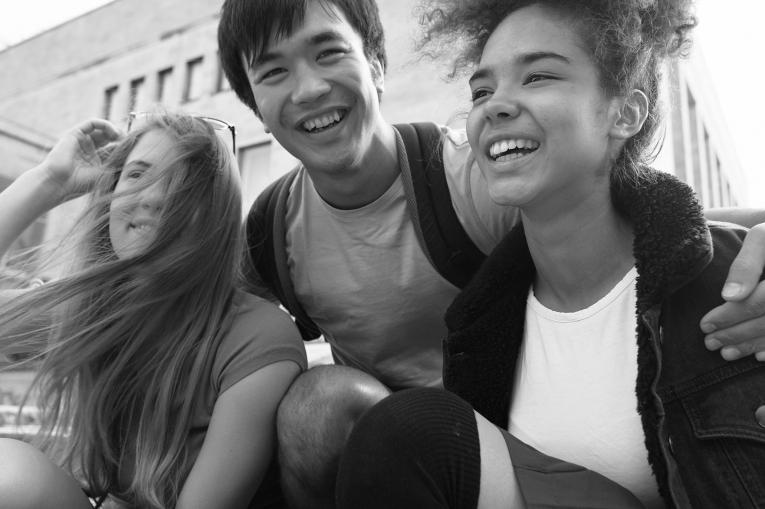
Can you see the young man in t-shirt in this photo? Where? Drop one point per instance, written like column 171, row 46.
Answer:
column 313, row 73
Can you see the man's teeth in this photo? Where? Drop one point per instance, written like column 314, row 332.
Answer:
column 508, row 147
column 322, row 122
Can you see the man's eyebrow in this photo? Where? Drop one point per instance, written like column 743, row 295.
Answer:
column 319, row 38
column 523, row 59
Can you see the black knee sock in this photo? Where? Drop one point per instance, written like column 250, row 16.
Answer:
column 417, row 448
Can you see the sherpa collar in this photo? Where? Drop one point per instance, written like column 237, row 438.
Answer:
column 672, row 245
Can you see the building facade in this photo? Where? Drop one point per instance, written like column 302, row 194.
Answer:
column 133, row 54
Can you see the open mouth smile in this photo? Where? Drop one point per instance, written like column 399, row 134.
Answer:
column 506, row 150
column 324, row 122
column 141, row 227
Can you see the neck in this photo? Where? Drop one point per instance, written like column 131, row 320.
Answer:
column 363, row 180
column 579, row 255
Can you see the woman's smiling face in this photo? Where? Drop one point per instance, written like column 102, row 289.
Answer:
column 540, row 122
column 135, row 211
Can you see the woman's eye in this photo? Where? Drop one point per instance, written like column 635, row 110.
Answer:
column 133, row 174
column 536, row 78
column 478, row 94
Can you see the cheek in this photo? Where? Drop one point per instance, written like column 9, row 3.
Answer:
column 473, row 126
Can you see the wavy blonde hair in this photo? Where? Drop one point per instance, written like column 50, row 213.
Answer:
column 132, row 340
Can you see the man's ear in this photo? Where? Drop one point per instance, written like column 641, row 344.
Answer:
column 631, row 115
column 378, row 75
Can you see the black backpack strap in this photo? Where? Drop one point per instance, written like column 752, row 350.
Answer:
column 267, row 251
column 446, row 243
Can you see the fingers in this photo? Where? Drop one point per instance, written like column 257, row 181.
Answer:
column 738, row 328
column 745, row 271
column 95, row 133
column 99, row 126
column 732, row 349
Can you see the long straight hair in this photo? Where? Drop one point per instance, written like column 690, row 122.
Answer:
column 131, row 341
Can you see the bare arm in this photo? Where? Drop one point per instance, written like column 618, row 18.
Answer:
column 240, row 441
column 745, row 217
column 68, row 171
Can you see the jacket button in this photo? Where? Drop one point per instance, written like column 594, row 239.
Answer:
column 760, row 416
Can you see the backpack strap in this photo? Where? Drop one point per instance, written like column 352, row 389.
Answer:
column 266, row 228
column 445, row 242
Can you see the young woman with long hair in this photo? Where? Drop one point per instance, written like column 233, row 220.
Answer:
column 579, row 335
column 157, row 378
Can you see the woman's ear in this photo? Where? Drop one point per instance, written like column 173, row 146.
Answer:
column 631, row 115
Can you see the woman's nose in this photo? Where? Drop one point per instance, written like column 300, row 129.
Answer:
column 152, row 197
column 503, row 107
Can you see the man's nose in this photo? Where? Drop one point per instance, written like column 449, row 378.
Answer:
column 310, row 86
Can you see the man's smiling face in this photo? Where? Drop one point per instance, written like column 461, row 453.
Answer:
column 317, row 92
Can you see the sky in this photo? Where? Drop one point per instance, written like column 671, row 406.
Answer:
column 729, row 35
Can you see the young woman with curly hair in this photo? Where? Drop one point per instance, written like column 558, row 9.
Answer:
column 579, row 337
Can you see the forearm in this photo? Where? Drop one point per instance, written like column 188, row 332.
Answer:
column 741, row 216
column 27, row 198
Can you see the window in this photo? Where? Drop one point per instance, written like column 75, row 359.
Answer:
column 110, row 95
column 222, row 84
column 193, row 87
column 254, row 166
column 164, row 82
column 136, row 94
column 693, row 117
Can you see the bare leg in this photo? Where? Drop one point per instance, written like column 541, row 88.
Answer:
column 499, row 487
column 29, row 480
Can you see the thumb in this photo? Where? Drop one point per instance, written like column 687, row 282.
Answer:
column 746, row 269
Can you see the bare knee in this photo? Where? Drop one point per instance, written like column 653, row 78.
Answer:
column 313, row 423
column 28, row 479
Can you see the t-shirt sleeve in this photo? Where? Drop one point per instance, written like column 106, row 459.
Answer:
column 485, row 221
column 260, row 334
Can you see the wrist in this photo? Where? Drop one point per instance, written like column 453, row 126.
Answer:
column 47, row 188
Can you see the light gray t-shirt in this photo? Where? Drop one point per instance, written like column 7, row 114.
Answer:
column 363, row 277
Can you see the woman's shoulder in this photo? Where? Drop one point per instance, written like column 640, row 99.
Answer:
column 259, row 333
column 256, row 316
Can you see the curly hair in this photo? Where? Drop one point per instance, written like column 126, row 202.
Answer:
column 629, row 40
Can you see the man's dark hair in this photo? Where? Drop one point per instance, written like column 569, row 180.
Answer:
column 247, row 26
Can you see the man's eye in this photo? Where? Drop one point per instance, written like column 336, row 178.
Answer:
column 331, row 52
column 271, row 73
column 134, row 174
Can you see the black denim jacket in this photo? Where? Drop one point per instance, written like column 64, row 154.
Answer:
column 704, row 443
